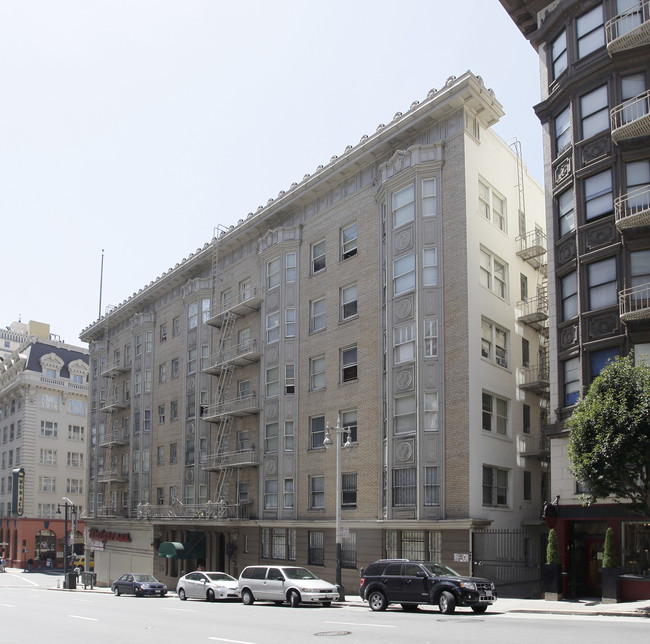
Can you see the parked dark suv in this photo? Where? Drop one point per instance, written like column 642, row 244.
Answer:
column 409, row 583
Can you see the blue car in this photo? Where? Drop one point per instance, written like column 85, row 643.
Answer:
column 132, row 583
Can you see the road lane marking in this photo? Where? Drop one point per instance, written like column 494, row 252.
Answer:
column 221, row 639
column 7, row 605
column 360, row 624
column 90, row 619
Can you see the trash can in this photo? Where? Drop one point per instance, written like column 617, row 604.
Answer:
column 71, row 580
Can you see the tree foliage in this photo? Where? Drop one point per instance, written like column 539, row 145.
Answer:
column 552, row 549
column 609, row 436
column 610, row 560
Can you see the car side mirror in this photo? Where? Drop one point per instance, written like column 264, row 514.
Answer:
column 280, row 578
column 421, row 573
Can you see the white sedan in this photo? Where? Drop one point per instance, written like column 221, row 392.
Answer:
column 206, row 585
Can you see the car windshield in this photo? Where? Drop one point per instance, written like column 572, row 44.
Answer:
column 145, row 578
column 299, row 573
column 220, row 576
column 440, row 570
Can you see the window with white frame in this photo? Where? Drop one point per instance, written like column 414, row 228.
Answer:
column 431, row 338
column 566, row 212
column 348, row 302
column 288, row 495
column 495, row 414
column 272, row 382
column 430, row 267
column 349, row 364
column 569, row 295
column 273, row 327
column 601, row 278
column 49, row 429
column 316, row 432
column 403, row 206
column 47, row 483
column 290, row 323
column 318, row 257
column 405, row 414
column 47, row 457
column 75, row 459
column 290, row 267
column 494, row 274
column 492, row 205
column 349, row 241
column 349, row 423
column 404, row 343
column 271, row 494
column 317, row 318
column 288, row 436
column 495, row 486
column 161, row 414
column 74, row 486
column 273, row 273
column 428, row 197
column 431, row 486
column 562, row 131
column 431, row 412
column 404, row 274
column 494, row 343
column 316, row 492
column 594, row 112
column 76, row 433
column 271, row 438
column 192, row 319
column 147, row 380
column 191, row 360
column 50, row 402
column 317, row 373
column 404, row 486
column 590, row 30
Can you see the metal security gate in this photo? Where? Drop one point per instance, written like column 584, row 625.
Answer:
column 512, row 559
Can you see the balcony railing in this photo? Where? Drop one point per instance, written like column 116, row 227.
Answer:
column 244, row 353
column 535, row 379
column 534, row 312
column 238, row 407
column 195, row 511
column 114, row 439
column 634, row 303
column 629, row 29
column 113, row 476
column 531, row 247
column 115, row 402
column 248, row 301
column 534, row 446
column 631, row 119
column 114, row 368
column 223, row 460
column 633, row 208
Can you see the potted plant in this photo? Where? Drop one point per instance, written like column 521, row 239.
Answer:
column 552, row 569
column 610, row 572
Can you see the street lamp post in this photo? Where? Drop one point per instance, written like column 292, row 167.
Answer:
column 67, row 505
column 327, row 442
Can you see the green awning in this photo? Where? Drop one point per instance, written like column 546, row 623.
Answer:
column 171, row 549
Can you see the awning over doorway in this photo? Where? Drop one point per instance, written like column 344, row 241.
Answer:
column 171, row 549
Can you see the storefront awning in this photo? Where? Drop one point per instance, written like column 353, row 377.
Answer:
column 171, row 549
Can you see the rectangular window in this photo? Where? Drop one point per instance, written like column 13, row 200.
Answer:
column 316, row 492
column 403, row 206
column 288, row 436
column 562, row 131
column 430, row 267
column 191, row 360
column 404, row 487
column 49, row 429
column 431, row 338
column 148, row 341
column 349, row 423
column 47, row 457
column 74, row 486
column 147, row 380
column 528, row 486
column 162, row 372
column 272, row 382
column 205, row 309
column 349, row 550
column 494, row 274
column 428, row 197
column 404, row 343
column 316, row 432
column 492, row 205
column 290, row 323
column 349, row 241
column 569, row 291
column 599, row 197
column 316, row 548
column 160, row 455
column 349, row 490
column 349, row 364
column 193, row 315
column 637, row 180
column 494, row 343
column 317, row 315
column 175, row 368
column 594, row 112
column 602, row 284
column 495, row 486
column 289, row 379
column 76, row 433
column 161, row 414
column 271, row 494
column 431, row 486
column 494, row 414
column 273, row 273
column 566, row 212
column 431, row 412
column 47, row 483
column 162, row 333
column 271, row 438
column 559, row 59
column 404, row 274
column 405, row 415
column 176, row 328
column 288, row 494
column 318, row 257
column 138, row 344
column 273, row 327
column 571, row 378
column 190, row 407
column 640, row 268
column 526, row 412
column 317, row 373
column 599, row 360
column 348, row 302
column 590, row 31
column 173, row 452
column 290, row 267
column 173, row 410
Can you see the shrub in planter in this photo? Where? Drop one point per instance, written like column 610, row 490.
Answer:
column 610, row 572
column 552, row 569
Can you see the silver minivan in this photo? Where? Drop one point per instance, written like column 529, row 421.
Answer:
column 293, row 584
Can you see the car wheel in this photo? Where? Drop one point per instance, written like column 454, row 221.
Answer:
column 209, row 596
column 377, row 600
column 481, row 608
column 446, row 603
column 409, row 607
column 116, row 591
column 326, row 604
column 294, row 599
column 181, row 594
column 163, row 593
column 247, row 597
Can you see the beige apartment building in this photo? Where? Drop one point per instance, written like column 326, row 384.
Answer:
column 43, row 449
column 398, row 290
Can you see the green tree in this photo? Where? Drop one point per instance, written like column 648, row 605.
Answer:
column 552, row 549
column 609, row 436
column 610, row 559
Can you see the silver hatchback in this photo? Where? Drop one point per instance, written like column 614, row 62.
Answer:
column 278, row 584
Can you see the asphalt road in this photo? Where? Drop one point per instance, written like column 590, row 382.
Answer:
column 31, row 610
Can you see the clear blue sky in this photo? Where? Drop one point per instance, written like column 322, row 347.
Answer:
column 138, row 126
